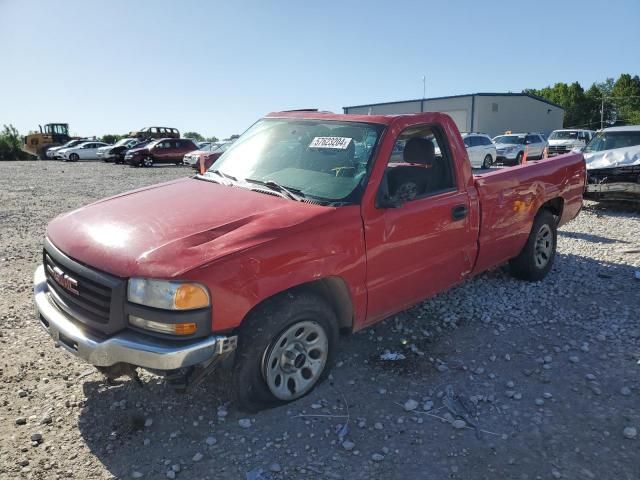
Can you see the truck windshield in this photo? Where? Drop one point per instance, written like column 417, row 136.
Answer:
column 563, row 135
column 326, row 160
column 509, row 139
column 610, row 140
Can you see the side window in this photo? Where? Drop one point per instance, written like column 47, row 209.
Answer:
column 486, row 141
column 531, row 139
column 467, row 142
column 423, row 168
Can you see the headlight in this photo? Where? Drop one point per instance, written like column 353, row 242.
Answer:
column 168, row 295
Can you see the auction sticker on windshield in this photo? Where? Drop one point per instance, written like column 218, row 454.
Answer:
column 339, row 143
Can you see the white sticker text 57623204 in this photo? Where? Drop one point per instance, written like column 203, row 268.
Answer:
column 339, row 143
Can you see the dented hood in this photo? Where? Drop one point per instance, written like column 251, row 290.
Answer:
column 168, row 229
column 619, row 157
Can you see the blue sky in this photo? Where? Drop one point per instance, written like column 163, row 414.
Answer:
column 215, row 67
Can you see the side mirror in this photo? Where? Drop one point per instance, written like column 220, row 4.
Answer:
column 383, row 199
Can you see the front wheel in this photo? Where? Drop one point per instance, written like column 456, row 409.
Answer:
column 74, row 157
column 147, row 162
column 488, row 161
column 536, row 258
column 519, row 158
column 285, row 349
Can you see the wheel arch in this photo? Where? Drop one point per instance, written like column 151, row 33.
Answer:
column 334, row 290
column 555, row 206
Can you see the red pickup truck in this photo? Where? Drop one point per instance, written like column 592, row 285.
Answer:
column 310, row 224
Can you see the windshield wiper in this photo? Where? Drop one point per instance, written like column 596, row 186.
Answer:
column 225, row 176
column 289, row 192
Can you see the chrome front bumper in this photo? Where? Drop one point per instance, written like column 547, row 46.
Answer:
column 126, row 346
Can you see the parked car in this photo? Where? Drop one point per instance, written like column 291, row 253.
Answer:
column 82, row 151
column 122, row 153
column 111, row 152
column 155, row 133
column 204, row 157
column 166, row 150
column 563, row 141
column 203, row 145
column 481, row 150
column 292, row 241
column 511, row 147
column 52, row 152
column 613, row 164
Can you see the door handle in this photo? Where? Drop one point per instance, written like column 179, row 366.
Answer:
column 459, row 212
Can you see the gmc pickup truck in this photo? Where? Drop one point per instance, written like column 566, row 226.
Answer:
column 311, row 223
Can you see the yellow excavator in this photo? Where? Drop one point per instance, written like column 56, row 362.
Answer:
column 52, row 135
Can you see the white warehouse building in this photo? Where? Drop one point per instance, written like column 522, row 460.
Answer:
column 490, row 113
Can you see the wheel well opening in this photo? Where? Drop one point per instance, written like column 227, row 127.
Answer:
column 332, row 290
column 555, row 206
column 335, row 292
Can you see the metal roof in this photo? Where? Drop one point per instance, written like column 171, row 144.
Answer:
column 535, row 97
column 627, row 128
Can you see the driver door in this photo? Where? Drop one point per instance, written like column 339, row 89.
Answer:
column 424, row 245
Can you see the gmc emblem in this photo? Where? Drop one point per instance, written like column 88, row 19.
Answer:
column 65, row 281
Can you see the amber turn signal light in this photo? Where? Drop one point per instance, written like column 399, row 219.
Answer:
column 189, row 296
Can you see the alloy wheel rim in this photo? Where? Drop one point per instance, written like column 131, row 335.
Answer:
column 543, row 246
column 294, row 362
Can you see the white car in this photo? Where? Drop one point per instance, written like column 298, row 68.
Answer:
column 614, row 147
column 53, row 151
column 613, row 164
column 481, row 150
column 84, row 151
column 566, row 140
column 110, row 152
column 511, row 147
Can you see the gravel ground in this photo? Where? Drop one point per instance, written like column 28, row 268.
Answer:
column 500, row 378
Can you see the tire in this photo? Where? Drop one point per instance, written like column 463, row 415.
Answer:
column 275, row 364
column 488, row 161
column 74, row 157
column 536, row 258
column 147, row 162
column 519, row 158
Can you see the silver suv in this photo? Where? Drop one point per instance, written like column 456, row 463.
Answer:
column 511, row 147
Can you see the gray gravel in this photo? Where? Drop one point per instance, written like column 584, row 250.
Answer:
column 545, row 376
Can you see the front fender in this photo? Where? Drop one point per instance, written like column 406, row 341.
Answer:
column 243, row 280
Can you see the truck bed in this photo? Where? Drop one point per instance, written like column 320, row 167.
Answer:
column 511, row 196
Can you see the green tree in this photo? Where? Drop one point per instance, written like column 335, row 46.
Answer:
column 194, row 136
column 10, row 142
column 111, row 138
column 625, row 95
column 212, row 139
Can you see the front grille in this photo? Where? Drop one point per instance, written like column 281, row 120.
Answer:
column 92, row 300
column 557, row 149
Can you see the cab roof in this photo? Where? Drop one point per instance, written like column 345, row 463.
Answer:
column 346, row 117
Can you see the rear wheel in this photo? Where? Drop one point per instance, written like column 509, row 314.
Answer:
column 488, row 161
column 536, row 258
column 285, row 349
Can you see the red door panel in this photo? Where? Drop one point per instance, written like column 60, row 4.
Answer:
column 416, row 251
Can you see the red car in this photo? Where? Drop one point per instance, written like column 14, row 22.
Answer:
column 203, row 159
column 165, row 150
column 308, row 226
